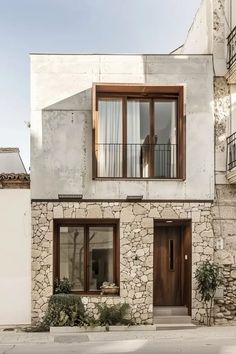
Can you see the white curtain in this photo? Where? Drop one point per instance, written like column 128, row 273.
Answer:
column 166, row 143
column 109, row 149
column 133, row 139
column 173, row 141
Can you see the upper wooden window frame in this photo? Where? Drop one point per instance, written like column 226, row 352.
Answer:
column 140, row 91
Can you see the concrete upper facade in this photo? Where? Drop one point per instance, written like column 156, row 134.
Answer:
column 61, row 123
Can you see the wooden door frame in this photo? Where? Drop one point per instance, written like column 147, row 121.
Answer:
column 186, row 228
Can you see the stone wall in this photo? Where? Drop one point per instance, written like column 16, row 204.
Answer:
column 136, row 239
column 224, row 225
column 225, row 308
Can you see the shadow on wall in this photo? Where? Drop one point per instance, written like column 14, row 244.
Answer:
column 66, row 139
column 79, row 102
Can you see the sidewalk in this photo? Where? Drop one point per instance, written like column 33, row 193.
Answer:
column 200, row 333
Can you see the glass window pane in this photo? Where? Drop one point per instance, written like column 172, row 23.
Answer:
column 109, row 144
column 100, row 256
column 138, row 122
column 72, row 255
column 165, row 149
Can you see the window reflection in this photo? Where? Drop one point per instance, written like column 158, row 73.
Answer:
column 87, row 256
column 109, row 149
column 72, row 255
column 137, row 138
column 100, row 256
column 165, row 149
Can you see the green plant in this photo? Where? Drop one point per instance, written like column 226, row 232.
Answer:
column 208, row 278
column 63, row 310
column 62, row 286
column 113, row 315
column 107, row 285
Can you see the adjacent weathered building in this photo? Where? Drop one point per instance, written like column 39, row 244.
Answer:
column 214, row 31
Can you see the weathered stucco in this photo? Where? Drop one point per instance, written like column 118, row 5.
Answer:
column 61, row 124
column 136, row 238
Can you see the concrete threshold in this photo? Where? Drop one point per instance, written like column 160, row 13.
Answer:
column 175, row 326
column 74, row 330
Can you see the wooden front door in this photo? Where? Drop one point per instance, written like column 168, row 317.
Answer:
column 168, row 266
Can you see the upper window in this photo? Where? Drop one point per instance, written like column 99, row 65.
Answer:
column 138, row 132
column 87, row 254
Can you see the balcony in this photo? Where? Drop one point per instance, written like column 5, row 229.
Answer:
column 136, row 161
column 231, row 57
column 231, row 48
column 231, row 158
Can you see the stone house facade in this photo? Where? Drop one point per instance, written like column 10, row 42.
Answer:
column 121, row 185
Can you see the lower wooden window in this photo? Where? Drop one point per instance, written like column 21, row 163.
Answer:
column 86, row 254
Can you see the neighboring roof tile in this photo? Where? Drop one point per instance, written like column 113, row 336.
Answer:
column 14, row 177
column 14, row 180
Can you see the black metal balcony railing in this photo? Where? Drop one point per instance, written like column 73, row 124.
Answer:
column 136, row 160
column 231, row 48
column 231, row 152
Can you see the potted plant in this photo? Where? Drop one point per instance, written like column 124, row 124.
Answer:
column 108, row 288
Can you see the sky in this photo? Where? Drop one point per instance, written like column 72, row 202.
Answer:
column 76, row 26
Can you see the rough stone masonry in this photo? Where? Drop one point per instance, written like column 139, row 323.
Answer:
column 136, row 238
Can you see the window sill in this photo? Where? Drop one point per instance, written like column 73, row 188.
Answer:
column 98, row 294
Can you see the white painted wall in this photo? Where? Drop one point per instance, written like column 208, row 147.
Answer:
column 61, row 123
column 233, row 13
column 199, row 37
column 15, row 257
column 209, row 31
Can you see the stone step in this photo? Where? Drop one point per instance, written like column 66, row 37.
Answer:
column 172, row 319
column 170, row 311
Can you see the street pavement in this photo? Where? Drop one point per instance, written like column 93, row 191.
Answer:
column 215, row 340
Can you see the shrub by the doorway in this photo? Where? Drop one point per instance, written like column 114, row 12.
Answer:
column 113, row 315
column 209, row 278
column 63, row 310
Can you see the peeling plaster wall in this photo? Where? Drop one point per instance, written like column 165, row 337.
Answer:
column 222, row 123
column 220, row 33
